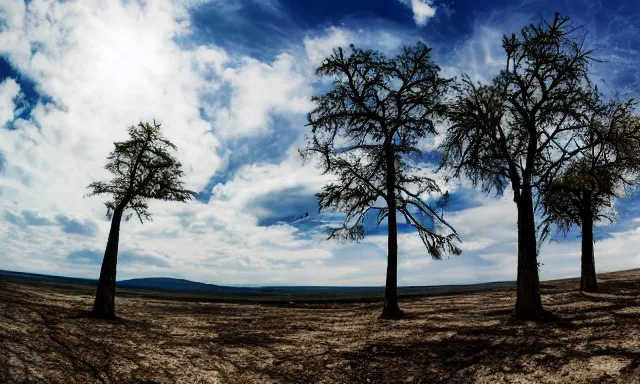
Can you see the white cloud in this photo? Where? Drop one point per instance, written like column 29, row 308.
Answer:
column 261, row 90
column 422, row 10
column 9, row 89
column 481, row 57
column 12, row 11
column 318, row 48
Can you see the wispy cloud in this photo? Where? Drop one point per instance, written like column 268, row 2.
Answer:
column 126, row 257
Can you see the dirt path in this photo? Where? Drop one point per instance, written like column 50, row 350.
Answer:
column 450, row 339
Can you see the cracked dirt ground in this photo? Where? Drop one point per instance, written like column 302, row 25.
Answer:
column 457, row 338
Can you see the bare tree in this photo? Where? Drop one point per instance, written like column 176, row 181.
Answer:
column 143, row 169
column 603, row 171
column 365, row 132
column 520, row 130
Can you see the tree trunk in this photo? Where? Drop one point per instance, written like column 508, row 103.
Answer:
column 528, row 302
column 104, row 305
column 588, row 282
column 391, row 309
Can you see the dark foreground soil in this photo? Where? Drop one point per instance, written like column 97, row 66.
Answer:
column 460, row 338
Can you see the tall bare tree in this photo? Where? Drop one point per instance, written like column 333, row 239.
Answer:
column 143, row 169
column 605, row 170
column 520, row 130
column 365, row 132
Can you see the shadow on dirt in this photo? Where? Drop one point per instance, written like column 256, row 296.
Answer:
column 46, row 336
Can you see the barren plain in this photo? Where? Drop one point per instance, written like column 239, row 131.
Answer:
column 453, row 337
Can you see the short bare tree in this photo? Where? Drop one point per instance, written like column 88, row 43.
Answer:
column 143, row 169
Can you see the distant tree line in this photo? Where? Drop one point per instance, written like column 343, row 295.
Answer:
column 540, row 128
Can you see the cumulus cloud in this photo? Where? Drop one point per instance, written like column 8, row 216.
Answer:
column 70, row 225
column 318, row 48
column 9, row 89
column 28, row 218
column 254, row 101
column 422, row 10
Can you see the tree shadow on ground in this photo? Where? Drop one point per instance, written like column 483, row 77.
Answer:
column 443, row 339
column 585, row 327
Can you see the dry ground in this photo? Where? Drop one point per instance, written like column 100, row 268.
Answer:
column 461, row 338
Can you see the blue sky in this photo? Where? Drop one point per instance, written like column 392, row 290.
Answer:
column 231, row 83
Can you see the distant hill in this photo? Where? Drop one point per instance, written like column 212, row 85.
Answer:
column 187, row 286
column 279, row 293
column 45, row 278
column 166, row 282
column 181, row 285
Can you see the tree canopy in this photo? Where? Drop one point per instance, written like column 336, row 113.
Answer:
column 378, row 107
column 604, row 170
column 522, row 129
column 143, row 169
column 584, row 193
